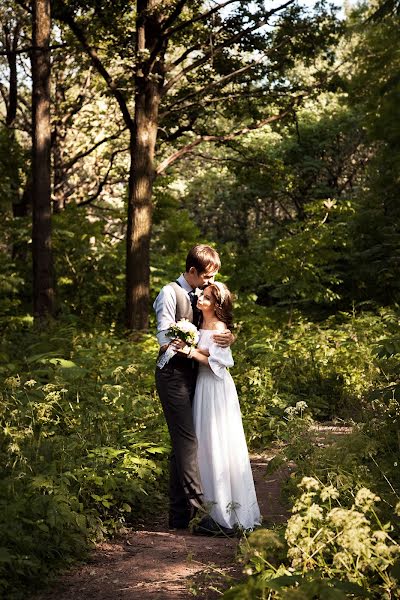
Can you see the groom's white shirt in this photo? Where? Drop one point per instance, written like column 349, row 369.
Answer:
column 165, row 309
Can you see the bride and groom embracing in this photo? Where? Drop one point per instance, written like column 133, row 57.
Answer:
column 210, row 474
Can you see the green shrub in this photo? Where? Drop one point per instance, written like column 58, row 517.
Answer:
column 82, row 446
column 328, row 551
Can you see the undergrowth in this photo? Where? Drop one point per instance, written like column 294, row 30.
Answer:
column 82, row 446
column 83, row 443
column 342, row 540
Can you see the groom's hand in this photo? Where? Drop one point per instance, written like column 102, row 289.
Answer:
column 224, row 338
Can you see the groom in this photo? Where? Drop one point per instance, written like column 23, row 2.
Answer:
column 176, row 383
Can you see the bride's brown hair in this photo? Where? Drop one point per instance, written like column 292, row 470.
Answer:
column 223, row 302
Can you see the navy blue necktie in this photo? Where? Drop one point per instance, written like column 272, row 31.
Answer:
column 196, row 312
column 193, row 299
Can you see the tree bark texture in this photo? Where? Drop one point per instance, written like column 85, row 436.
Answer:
column 11, row 31
column 148, row 83
column 43, row 277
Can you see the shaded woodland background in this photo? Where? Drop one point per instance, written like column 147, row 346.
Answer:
column 131, row 131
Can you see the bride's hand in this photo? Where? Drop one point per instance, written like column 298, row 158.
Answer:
column 185, row 351
column 180, row 346
column 224, row 338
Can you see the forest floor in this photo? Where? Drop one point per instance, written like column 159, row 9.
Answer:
column 153, row 563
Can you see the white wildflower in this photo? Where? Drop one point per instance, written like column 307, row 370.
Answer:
column 30, row 383
column 344, row 518
column 309, row 483
column 294, row 527
column 54, row 396
column 356, row 541
column 304, row 501
column 49, row 387
column 380, row 535
column 342, row 559
column 381, row 550
column 315, row 512
column 329, row 492
column 365, row 499
column 394, row 550
column 12, row 382
column 290, row 411
column 14, row 448
column 295, row 554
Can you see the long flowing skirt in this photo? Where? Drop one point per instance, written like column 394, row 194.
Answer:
column 222, row 452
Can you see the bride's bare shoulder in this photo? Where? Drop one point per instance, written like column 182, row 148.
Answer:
column 219, row 326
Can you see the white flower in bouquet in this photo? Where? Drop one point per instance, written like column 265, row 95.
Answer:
column 184, row 330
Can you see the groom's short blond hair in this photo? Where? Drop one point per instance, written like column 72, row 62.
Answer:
column 203, row 258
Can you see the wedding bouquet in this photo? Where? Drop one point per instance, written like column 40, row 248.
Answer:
column 183, row 330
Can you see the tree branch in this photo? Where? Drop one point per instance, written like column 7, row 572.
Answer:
column 169, row 66
column 217, row 138
column 168, row 34
column 68, row 18
column 229, row 159
column 80, row 155
column 29, row 49
column 174, row 15
column 216, row 83
column 66, row 119
column 103, row 182
column 222, row 98
column 199, row 18
column 284, row 209
column 178, row 132
column 4, row 94
column 219, row 47
column 163, row 37
column 100, row 187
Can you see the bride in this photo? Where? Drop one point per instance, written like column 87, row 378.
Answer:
column 222, row 451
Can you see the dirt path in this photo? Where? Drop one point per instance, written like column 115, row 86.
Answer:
column 160, row 565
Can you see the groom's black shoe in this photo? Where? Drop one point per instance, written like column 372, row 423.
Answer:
column 207, row 526
column 178, row 523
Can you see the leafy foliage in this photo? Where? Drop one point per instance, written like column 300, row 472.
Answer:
column 332, row 551
column 343, row 538
column 75, row 450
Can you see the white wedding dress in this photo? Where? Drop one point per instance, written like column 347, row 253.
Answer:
column 222, row 451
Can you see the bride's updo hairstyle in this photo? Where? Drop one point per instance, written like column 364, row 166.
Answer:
column 223, row 302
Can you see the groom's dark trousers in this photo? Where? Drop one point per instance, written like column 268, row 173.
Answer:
column 176, row 383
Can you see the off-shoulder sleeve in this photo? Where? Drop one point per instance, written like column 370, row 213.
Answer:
column 220, row 359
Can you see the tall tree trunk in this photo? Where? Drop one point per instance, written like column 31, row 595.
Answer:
column 43, row 277
column 142, row 173
column 11, row 37
column 21, row 202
